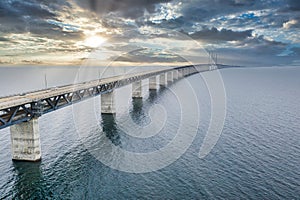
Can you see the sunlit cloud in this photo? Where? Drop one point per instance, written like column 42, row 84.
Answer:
column 290, row 23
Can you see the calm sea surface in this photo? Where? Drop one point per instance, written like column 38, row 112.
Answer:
column 256, row 157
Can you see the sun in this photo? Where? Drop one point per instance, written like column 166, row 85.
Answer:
column 94, row 41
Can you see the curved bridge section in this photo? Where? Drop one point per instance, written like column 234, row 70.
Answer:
column 21, row 111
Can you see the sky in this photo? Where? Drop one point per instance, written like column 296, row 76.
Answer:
column 149, row 32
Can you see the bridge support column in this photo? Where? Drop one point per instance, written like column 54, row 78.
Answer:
column 162, row 80
column 25, row 141
column 184, row 72
column 188, row 71
column 192, row 70
column 175, row 75
column 108, row 105
column 137, row 89
column 170, row 77
column 152, row 83
column 179, row 74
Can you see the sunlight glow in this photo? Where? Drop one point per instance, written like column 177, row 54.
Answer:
column 94, row 41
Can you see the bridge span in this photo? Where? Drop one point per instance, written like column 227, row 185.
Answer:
column 21, row 112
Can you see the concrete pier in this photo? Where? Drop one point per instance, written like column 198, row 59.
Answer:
column 186, row 72
column 25, row 141
column 152, row 83
column 108, row 103
column 192, row 70
column 170, row 77
column 137, row 89
column 162, row 80
column 180, row 75
column 175, row 75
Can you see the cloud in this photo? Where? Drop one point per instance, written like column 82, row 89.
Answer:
column 255, row 51
column 32, row 62
column 126, row 8
column 43, row 27
column 296, row 51
column 291, row 24
column 214, row 34
column 146, row 55
column 2, row 39
column 15, row 15
column 199, row 11
column 34, row 17
column 294, row 5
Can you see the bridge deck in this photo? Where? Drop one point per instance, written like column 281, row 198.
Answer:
column 23, row 107
column 19, row 99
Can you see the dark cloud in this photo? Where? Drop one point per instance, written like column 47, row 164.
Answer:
column 2, row 39
column 199, row 11
column 257, row 51
column 125, row 8
column 218, row 13
column 146, row 55
column 250, row 57
column 260, row 42
column 296, row 51
column 31, row 16
column 214, row 34
column 38, row 62
column 124, row 48
column 294, row 5
column 15, row 15
column 178, row 23
column 232, row 14
column 24, row 8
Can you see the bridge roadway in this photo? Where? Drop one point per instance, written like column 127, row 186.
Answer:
column 23, row 107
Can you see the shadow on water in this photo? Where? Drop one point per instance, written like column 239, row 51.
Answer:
column 162, row 90
column 152, row 96
column 110, row 128
column 137, row 111
column 28, row 180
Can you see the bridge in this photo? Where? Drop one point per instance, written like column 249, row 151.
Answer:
column 21, row 112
